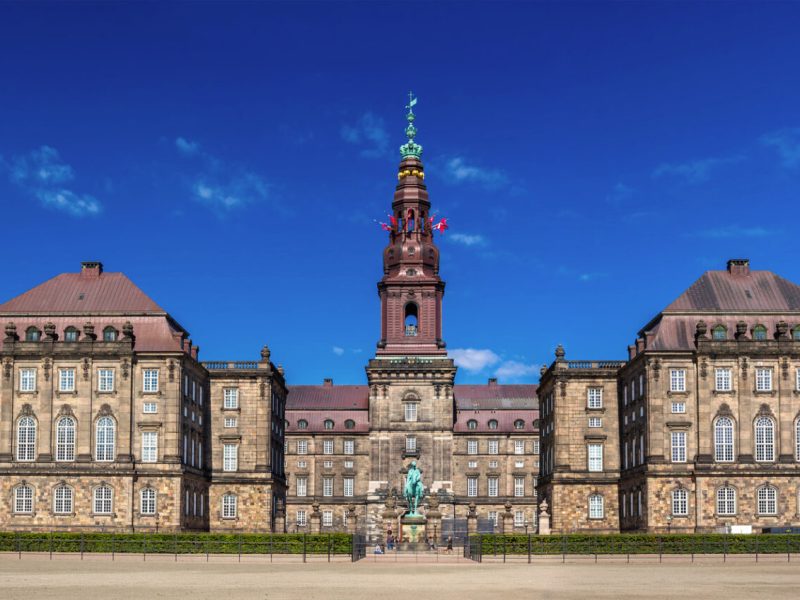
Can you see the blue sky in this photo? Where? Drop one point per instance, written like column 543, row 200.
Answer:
column 592, row 159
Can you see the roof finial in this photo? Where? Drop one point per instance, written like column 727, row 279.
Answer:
column 411, row 148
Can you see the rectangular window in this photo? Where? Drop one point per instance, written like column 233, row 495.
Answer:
column 327, row 486
column 763, row 380
column 679, row 407
column 149, row 446
column 678, row 446
column 327, row 447
column 410, row 411
column 472, row 446
column 301, row 518
column 230, row 457
column 494, row 446
column 519, row 446
column 327, row 518
column 492, row 464
column 519, row 464
column 493, row 487
column 301, row 464
column 348, row 464
column 229, row 506
column 595, row 422
column 472, row 487
column 328, row 464
column 349, row 447
column 595, row 452
column 66, row 380
column 411, row 443
column 519, row 486
column 680, row 502
column 348, row 486
column 27, row 380
column 105, row 380
column 473, row 464
column 63, row 500
column 150, row 408
column 723, row 380
column 302, row 487
column 493, row 517
column 536, row 446
column 677, row 380
column 231, row 398
column 302, row 446
column 519, row 518
column 230, row 422
column 150, row 380
column 594, row 398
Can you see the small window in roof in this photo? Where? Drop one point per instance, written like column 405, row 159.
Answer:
column 349, row 424
column 719, row 333
column 70, row 334
column 302, row 424
column 759, row 332
column 519, row 424
column 472, row 424
column 32, row 334
column 328, row 424
column 109, row 334
column 492, row 424
column 796, row 333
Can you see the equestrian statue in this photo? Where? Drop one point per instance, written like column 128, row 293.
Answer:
column 414, row 490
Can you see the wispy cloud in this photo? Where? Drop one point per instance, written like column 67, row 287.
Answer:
column 582, row 276
column 43, row 175
column 512, row 369
column 337, row 350
column 620, row 194
column 736, row 231
column 467, row 239
column 472, row 359
column 186, row 147
column 369, row 132
column 459, row 170
column 787, row 143
column 694, row 171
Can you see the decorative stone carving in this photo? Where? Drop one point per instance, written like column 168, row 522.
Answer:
column 785, row 368
column 46, row 364
column 765, row 411
column 703, row 367
column 280, row 370
column 126, row 367
column 86, row 368
column 7, row 365
column 50, row 331
column 741, row 330
column 88, row 332
column 265, row 353
column 26, row 410
column 560, row 352
column 262, row 390
column 65, row 411
column 782, row 330
column 105, row 411
column 563, row 385
column 724, row 410
column 700, row 330
column 127, row 331
column 11, row 332
column 744, row 368
column 171, row 370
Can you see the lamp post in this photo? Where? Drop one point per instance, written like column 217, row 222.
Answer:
column 526, row 526
column 669, row 523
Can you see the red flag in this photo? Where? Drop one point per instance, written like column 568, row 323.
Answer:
column 393, row 221
column 385, row 226
column 441, row 226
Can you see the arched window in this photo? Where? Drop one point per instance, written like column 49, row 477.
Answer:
column 411, row 318
column 70, row 334
column 759, row 332
column 596, row 510
column 23, row 499
column 492, row 424
column 796, row 333
column 302, row 424
column 765, row 439
column 26, row 439
column 349, row 424
column 519, row 424
column 680, row 502
column 229, row 506
column 65, row 439
column 104, row 440
column 32, row 334
column 767, row 497
column 472, row 424
column 103, row 500
column 719, row 333
column 147, row 501
column 62, row 500
column 723, row 440
column 726, row 501
column 109, row 334
column 328, row 424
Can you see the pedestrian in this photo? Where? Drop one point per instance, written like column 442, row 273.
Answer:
column 450, row 544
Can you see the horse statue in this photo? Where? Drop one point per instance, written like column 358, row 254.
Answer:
column 414, row 490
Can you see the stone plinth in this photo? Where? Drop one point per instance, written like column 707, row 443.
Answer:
column 413, row 530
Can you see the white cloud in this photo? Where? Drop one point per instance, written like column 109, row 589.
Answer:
column 467, row 239
column 472, row 359
column 734, row 231
column 512, row 369
column 694, row 171
column 370, row 133
column 458, row 170
column 186, row 147
column 235, row 192
column 337, row 350
column 787, row 143
column 42, row 174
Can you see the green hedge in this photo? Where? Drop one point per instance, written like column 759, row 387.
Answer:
column 181, row 543
column 637, row 544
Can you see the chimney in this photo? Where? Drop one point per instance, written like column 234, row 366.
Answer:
column 739, row 266
column 327, row 382
column 492, row 380
column 91, row 268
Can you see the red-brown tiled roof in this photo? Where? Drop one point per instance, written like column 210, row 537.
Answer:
column 756, row 291
column 676, row 332
column 316, row 421
column 496, row 396
column 505, row 421
column 328, row 397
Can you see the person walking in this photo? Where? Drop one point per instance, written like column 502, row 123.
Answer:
column 450, row 544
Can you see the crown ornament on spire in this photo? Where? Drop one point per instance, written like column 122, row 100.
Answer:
column 411, row 148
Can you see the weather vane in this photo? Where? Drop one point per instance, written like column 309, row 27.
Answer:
column 411, row 148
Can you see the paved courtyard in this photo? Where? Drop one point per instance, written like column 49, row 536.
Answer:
column 68, row 578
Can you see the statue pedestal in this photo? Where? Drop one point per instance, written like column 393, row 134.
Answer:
column 413, row 532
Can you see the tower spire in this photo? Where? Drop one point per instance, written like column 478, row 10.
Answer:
column 411, row 148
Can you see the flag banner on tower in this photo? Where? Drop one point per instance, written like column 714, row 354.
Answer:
column 383, row 225
column 441, row 226
column 393, row 221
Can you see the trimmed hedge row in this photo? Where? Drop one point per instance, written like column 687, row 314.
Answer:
column 491, row 544
column 180, row 543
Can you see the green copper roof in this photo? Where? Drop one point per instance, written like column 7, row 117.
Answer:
column 411, row 148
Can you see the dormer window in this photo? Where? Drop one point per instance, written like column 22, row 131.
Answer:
column 302, row 424
column 519, row 424
column 759, row 333
column 719, row 333
column 472, row 424
column 328, row 424
column 70, row 334
column 796, row 333
column 109, row 334
column 349, row 424
column 32, row 334
column 492, row 424
column 411, row 319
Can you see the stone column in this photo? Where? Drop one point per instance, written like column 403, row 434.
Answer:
column 316, row 518
column 352, row 518
column 544, row 519
column 506, row 520
column 472, row 519
column 280, row 517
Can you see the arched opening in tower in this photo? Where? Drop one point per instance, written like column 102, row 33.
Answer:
column 411, row 320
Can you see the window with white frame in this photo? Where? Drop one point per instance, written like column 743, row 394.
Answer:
column 493, row 517
column 229, row 506
column 722, row 378
column 147, row 501
column 327, row 518
column 533, row 485
column 596, row 509
column 66, row 380
column 595, row 422
column 677, row 380
column 23, row 499
column 27, row 380
column 472, row 487
column 410, row 411
column 230, row 398
column 150, row 380
column 328, row 464
column 680, row 502
column 473, row 464
column 519, row 464
column 594, row 397
column 767, row 500
column 26, row 439
column 519, row 518
column 103, row 500
column 344, row 518
column 411, row 443
column 678, row 439
column 105, row 380
column 519, row 486
column 327, row 486
column 105, row 439
column 301, row 518
column 726, row 501
column 492, row 464
column 349, row 446
column 494, row 446
column 679, row 407
column 302, row 446
column 595, row 453
column 302, row 487
column 797, row 380
column 519, row 446
column 327, row 447
column 348, row 464
column 62, row 500
column 230, row 422
column 493, row 487
column 763, row 380
column 348, row 486
column 472, row 446
column 536, row 446
column 150, row 408
column 723, row 439
column 65, row 439
column 765, row 439
column 797, row 443
column 149, row 446
column 230, row 457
